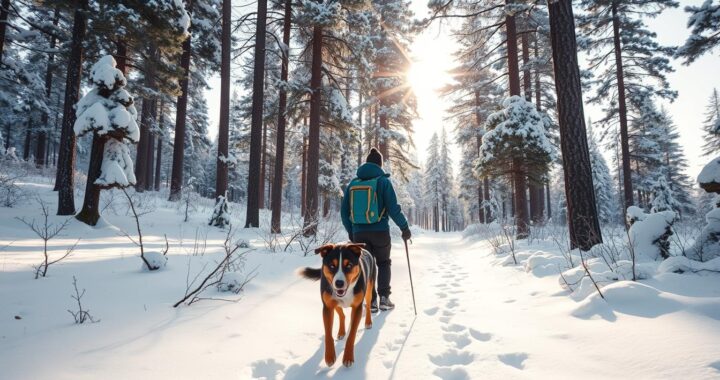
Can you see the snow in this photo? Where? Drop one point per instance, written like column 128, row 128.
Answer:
column 476, row 318
column 117, row 165
column 646, row 232
column 710, row 172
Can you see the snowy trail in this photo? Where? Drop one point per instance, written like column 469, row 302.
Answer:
column 476, row 319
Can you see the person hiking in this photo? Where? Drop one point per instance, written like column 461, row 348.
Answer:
column 367, row 202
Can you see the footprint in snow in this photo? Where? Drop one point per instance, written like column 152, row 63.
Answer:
column 449, row 275
column 451, row 357
column 460, row 340
column 510, row 300
column 267, row 369
column 444, row 319
column 448, row 313
column 441, row 295
column 454, row 328
column 451, row 374
column 455, row 284
column 452, row 303
column 432, row 311
column 516, row 359
column 481, row 336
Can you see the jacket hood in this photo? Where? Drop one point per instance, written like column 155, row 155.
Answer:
column 370, row 170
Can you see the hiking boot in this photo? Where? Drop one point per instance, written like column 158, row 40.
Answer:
column 374, row 306
column 386, row 304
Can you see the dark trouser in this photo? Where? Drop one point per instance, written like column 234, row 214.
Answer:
column 378, row 243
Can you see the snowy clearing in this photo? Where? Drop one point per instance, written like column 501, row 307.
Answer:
column 477, row 318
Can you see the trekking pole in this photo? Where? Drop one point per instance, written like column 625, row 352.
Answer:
column 412, row 288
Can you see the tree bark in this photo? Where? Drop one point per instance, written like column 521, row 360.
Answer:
column 4, row 12
column 221, row 181
column 150, row 155
column 256, row 129
column 158, row 160
column 622, row 110
column 28, row 138
column 263, row 168
column 582, row 212
column 65, row 181
column 276, row 201
column 41, row 148
column 519, row 173
column 176, row 181
column 303, row 178
column 313, row 154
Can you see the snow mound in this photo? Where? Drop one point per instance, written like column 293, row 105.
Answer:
column 232, row 282
column 681, row 264
column 628, row 297
column 155, row 259
column 709, row 178
column 649, row 233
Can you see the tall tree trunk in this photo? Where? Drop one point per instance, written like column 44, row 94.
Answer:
column 534, row 185
column 582, row 212
column 150, row 155
column 263, row 168
column 538, row 106
column 622, row 110
column 41, row 148
column 65, row 181
column 158, row 161
column 486, row 196
column 256, row 128
column 303, row 178
column 478, row 142
column 313, row 154
column 176, row 181
column 221, row 182
column 277, row 187
column 4, row 12
column 28, row 138
column 519, row 175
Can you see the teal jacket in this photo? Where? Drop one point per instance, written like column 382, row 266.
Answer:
column 386, row 200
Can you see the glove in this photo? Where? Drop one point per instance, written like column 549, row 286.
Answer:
column 406, row 234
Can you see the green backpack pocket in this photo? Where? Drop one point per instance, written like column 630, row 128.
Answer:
column 364, row 208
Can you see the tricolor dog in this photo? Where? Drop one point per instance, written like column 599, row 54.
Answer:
column 346, row 280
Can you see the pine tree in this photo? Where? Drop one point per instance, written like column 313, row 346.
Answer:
column 434, row 181
column 515, row 141
column 616, row 29
column 602, row 183
column 204, row 49
column 108, row 113
column 704, row 38
column 711, row 128
column 221, row 179
column 663, row 199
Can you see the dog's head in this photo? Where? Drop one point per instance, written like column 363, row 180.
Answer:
column 341, row 265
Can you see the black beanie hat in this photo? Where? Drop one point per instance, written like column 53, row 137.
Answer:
column 375, row 157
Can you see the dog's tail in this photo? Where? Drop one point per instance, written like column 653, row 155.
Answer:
column 313, row 274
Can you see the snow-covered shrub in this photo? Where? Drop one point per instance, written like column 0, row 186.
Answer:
column 221, row 216
column 233, row 282
column 649, row 233
column 707, row 245
column 709, row 178
column 10, row 192
column 154, row 260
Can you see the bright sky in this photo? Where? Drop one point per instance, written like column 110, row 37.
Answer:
column 432, row 52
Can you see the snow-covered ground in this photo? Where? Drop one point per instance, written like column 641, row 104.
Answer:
column 477, row 317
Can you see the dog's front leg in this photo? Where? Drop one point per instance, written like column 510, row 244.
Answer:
column 329, row 341
column 349, row 354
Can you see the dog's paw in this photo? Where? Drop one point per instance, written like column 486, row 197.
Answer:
column 368, row 326
column 340, row 337
column 330, row 358
column 348, row 359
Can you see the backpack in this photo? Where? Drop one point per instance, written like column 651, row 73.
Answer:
column 364, row 208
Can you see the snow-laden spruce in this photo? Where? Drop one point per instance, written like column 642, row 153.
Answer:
column 516, row 131
column 704, row 22
column 649, row 233
column 108, row 111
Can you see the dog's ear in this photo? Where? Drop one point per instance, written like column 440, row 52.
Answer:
column 355, row 247
column 324, row 249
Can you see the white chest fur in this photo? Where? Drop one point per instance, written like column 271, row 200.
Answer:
column 346, row 300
